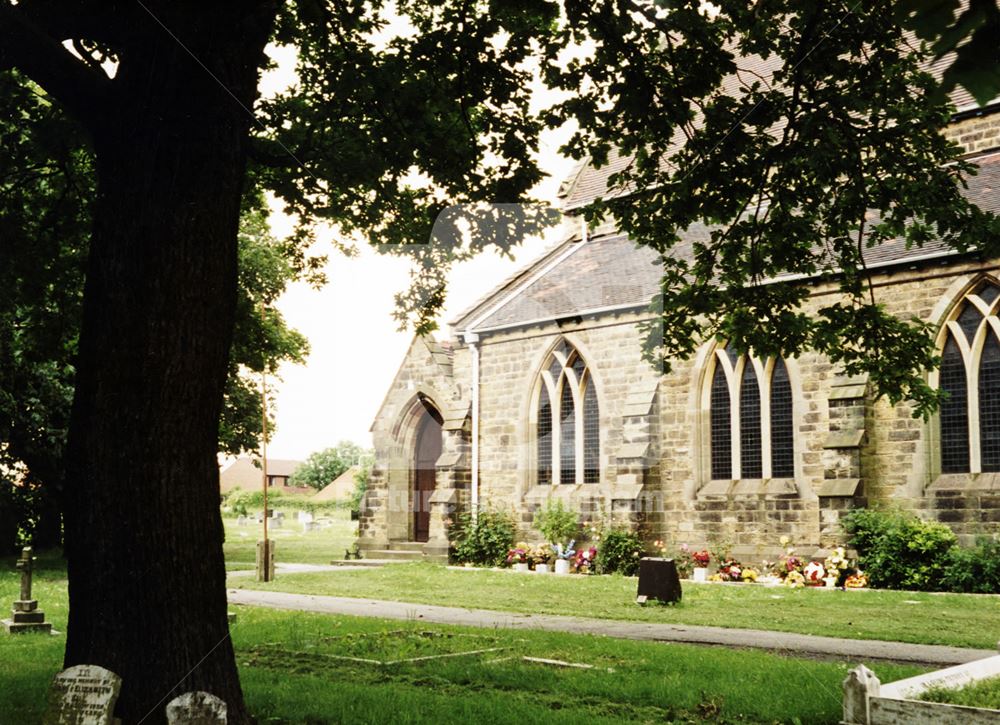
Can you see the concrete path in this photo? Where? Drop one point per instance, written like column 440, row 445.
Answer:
column 783, row 642
column 296, row 569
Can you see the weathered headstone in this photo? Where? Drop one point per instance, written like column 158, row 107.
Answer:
column 196, row 708
column 658, row 580
column 26, row 616
column 241, row 520
column 305, row 517
column 83, row 695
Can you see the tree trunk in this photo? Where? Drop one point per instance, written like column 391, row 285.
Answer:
column 143, row 527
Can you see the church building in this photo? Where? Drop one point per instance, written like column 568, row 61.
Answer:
column 542, row 392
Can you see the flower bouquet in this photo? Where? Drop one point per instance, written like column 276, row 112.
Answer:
column 518, row 556
column 584, row 559
column 730, row 571
column 795, row 579
column 836, row 566
column 701, row 560
column 858, row 580
column 564, row 557
column 814, row 574
column 540, row 557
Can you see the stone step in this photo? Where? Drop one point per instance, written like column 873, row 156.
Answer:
column 417, row 546
column 395, row 554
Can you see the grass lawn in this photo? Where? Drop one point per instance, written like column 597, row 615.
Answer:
column 293, row 545
column 962, row 620
column 294, row 670
column 985, row 693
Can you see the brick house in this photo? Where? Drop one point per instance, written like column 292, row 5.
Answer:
column 542, row 392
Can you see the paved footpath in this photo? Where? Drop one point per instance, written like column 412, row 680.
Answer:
column 784, row 642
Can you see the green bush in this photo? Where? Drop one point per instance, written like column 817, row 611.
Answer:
column 898, row 550
column 557, row 523
column 485, row 541
column 619, row 552
column 975, row 569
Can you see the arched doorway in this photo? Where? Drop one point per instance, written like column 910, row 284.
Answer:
column 425, row 455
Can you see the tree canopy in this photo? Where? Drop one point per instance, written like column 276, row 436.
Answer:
column 323, row 467
column 139, row 125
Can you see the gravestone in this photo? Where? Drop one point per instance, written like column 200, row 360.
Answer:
column 241, row 520
column 658, row 580
column 83, row 695
column 26, row 616
column 196, row 708
column 276, row 523
column 305, row 517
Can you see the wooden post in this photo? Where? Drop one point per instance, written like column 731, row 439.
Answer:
column 268, row 556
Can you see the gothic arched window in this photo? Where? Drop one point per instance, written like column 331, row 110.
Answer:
column 750, row 418
column 970, row 375
column 568, row 420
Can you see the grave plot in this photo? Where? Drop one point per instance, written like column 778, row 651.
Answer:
column 401, row 648
column 380, row 649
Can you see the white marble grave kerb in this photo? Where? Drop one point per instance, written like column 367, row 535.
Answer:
column 83, row 695
column 26, row 616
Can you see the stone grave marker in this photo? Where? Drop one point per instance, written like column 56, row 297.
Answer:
column 196, row 708
column 241, row 520
column 26, row 616
column 658, row 580
column 305, row 517
column 83, row 695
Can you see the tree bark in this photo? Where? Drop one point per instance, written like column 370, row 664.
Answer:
column 143, row 527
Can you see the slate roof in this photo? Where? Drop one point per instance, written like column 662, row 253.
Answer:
column 610, row 271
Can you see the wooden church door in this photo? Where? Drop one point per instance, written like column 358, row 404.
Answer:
column 428, row 450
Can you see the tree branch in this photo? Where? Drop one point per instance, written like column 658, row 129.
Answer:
column 25, row 46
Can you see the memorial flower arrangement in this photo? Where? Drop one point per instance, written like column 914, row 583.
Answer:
column 519, row 554
column 682, row 559
column 701, row 558
column 789, row 562
column 565, row 552
column 583, row 562
column 795, row 579
column 836, row 563
column 730, row 570
column 814, row 573
column 750, row 574
column 858, row 580
column 541, row 554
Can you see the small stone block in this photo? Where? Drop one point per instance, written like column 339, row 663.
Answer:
column 641, row 600
column 13, row 627
column 25, row 605
column 28, row 617
column 231, row 616
column 196, row 708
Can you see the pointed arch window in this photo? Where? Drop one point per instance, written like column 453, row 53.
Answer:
column 969, row 417
column 750, row 418
column 568, row 420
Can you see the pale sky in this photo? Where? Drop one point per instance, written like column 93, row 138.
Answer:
column 356, row 348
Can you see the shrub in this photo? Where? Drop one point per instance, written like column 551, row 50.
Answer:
column 556, row 522
column 975, row 569
column 619, row 551
column 899, row 550
column 485, row 541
